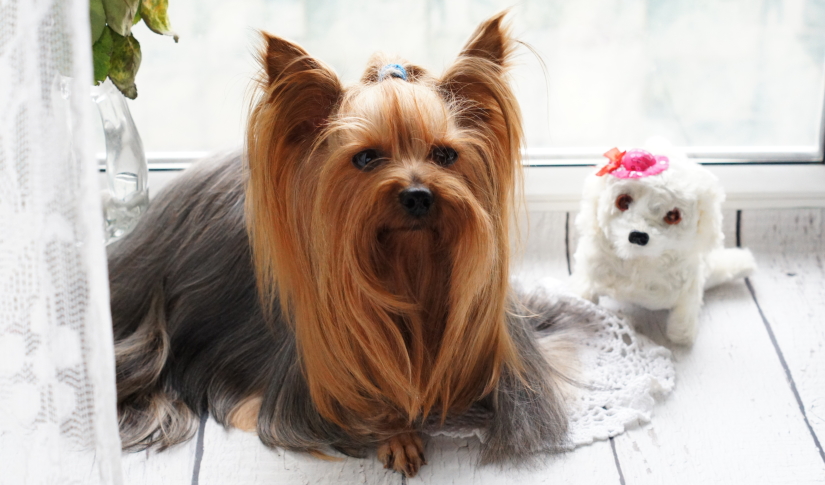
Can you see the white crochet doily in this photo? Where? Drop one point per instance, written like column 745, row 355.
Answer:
column 622, row 374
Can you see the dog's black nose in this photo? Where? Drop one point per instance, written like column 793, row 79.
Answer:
column 640, row 238
column 417, row 201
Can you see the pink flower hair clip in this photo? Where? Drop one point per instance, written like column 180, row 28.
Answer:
column 633, row 164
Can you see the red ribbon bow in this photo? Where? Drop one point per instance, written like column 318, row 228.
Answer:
column 615, row 162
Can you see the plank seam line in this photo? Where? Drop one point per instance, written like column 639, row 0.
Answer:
column 738, row 228
column 616, row 459
column 788, row 374
column 567, row 240
column 196, row 469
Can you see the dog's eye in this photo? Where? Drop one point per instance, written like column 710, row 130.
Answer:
column 444, row 156
column 673, row 217
column 363, row 160
column 623, row 202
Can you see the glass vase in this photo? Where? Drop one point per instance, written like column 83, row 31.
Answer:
column 127, row 173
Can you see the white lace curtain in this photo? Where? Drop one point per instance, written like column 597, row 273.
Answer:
column 57, row 388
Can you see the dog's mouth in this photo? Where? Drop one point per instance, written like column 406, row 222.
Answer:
column 413, row 227
column 385, row 232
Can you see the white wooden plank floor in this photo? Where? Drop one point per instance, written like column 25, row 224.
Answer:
column 748, row 408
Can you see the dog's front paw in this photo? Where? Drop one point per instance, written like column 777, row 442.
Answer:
column 681, row 327
column 403, row 453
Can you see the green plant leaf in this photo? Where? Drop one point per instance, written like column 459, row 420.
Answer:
column 137, row 16
column 155, row 17
column 124, row 64
column 102, row 55
column 97, row 18
column 119, row 15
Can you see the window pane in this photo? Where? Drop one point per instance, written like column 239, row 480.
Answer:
column 701, row 73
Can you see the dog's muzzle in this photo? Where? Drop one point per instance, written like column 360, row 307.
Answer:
column 640, row 238
column 417, row 201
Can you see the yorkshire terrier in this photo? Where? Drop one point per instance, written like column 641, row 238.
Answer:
column 345, row 282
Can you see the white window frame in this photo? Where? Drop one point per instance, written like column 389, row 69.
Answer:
column 753, row 177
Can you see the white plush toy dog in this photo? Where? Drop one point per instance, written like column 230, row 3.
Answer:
column 651, row 234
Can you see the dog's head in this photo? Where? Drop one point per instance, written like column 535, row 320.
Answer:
column 378, row 214
column 678, row 209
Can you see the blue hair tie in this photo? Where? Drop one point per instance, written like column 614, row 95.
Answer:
column 392, row 70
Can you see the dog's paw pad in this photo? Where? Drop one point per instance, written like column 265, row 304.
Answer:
column 403, row 453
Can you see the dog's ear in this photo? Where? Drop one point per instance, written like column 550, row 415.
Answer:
column 490, row 41
column 709, row 226
column 279, row 55
column 477, row 87
column 297, row 95
column 301, row 89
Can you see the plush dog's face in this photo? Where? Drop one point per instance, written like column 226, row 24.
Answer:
column 378, row 214
column 643, row 217
column 676, row 210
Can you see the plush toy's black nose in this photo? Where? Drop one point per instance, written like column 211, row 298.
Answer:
column 417, row 201
column 640, row 238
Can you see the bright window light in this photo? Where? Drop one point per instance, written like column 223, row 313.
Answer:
column 729, row 80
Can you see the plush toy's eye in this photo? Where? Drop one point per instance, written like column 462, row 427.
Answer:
column 444, row 156
column 363, row 160
column 623, row 202
column 673, row 217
